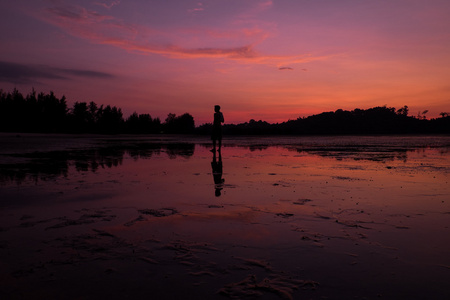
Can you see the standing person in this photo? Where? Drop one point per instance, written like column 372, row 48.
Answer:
column 217, row 128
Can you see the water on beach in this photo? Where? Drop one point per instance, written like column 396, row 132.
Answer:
column 88, row 217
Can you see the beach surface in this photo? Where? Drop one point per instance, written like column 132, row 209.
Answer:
column 162, row 217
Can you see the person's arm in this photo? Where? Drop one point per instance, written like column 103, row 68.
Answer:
column 221, row 118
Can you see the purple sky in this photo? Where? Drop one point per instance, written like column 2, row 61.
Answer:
column 270, row 60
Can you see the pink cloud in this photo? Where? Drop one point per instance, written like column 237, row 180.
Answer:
column 245, row 52
column 104, row 29
column 109, row 4
column 265, row 4
column 197, row 9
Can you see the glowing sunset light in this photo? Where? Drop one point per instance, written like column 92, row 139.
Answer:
column 268, row 60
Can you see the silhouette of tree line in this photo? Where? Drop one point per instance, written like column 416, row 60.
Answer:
column 376, row 120
column 46, row 113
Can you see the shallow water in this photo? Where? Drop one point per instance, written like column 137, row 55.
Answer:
column 272, row 217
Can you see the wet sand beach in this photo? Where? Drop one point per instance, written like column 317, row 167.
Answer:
column 126, row 217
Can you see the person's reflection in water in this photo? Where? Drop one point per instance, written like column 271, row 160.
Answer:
column 217, row 173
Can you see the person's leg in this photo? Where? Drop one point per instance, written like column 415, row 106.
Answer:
column 214, row 145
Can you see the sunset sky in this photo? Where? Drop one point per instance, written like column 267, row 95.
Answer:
column 273, row 60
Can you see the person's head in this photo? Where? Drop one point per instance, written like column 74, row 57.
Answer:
column 217, row 108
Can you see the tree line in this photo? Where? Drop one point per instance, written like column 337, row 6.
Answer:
column 376, row 120
column 47, row 114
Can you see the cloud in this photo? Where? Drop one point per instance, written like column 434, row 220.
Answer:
column 109, row 4
column 285, row 68
column 265, row 4
column 84, row 73
column 31, row 73
column 244, row 52
column 199, row 7
column 104, row 29
column 22, row 74
column 78, row 14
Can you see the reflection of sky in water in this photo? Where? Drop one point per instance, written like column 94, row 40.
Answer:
column 309, row 170
column 373, row 201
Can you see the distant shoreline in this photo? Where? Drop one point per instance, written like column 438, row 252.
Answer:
column 45, row 113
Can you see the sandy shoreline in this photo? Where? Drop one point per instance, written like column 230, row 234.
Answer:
column 290, row 223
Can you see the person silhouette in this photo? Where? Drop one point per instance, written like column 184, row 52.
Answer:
column 217, row 171
column 217, row 128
